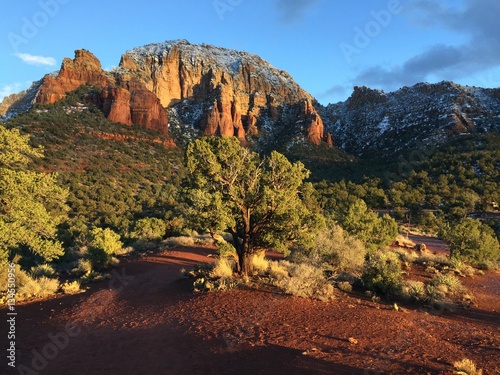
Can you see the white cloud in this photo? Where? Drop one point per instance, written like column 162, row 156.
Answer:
column 36, row 60
column 480, row 53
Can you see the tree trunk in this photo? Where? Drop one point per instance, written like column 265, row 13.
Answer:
column 245, row 263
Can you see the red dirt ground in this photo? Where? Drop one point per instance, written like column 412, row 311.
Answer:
column 146, row 321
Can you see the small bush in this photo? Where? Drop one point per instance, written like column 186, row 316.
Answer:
column 149, row 229
column 383, row 274
column 488, row 265
column 42, row 270
column 105, row 240
column 277, row 270
column 71, row 287
column 341, row 250
column 181, row 241
column 408, row 256
column 224, row 267
column 225, row 249
column 448, row 280
column 467, row 367
column 345, row 286
column 414, row 290
column 306, row 281
column 260, row 263
column 41, row 287
column 84, row 267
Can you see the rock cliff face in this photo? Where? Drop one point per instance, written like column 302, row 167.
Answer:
column 374, row 122
column 233, row 93
column 123, row 101
column 213, row 90
column 84, row 69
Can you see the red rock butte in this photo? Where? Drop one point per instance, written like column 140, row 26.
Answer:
column 235, row 88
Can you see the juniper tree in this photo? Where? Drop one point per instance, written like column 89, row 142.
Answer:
column 258, row 201
column 31, row 203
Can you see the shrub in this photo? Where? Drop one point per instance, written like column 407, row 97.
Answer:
column 414, row 290
column 181, row 241
column 466, row 366
column 41, row 287
column 71, row 287
column 149, row 229
column 42, row 270
column 277, row 270
column 225, row 249
column 473, row 241
column 345, row 286
column 84, row 266
column 333, row 249
column 260, row 263
column 305, row 281
column 105, row 240
column 343, row 251
column 224, row 267
column 488, row 265
column 382, row 273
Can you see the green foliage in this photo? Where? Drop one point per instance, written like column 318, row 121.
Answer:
column 375, row 232
column 115, row 174
column 102, row 245
column 334, row 249
column 149, row 229
column 383, row 274
column 229, row 188
column 32, row 204
column 472, row 241
column 105, row 240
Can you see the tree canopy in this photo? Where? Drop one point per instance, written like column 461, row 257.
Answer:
column 472, row 240
column 230, row 188
column 31, row 203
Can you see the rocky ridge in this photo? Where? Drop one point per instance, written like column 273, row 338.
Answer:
column 213, row 90
column 374, row 122
column 191, row 90
column 127, row 102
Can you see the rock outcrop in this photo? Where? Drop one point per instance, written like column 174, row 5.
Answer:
column 123, row 101
column 239, row 92
column 372, row 122
column 85, row 68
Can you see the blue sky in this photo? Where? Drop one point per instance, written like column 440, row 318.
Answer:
column 328, row 46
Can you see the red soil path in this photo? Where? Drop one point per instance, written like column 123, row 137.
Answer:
column 146, row 321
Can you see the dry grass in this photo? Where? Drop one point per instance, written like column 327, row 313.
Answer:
column 223, row 267
column 467, row 367
column 402, row 241
column 181, row 241
column 260, row 263
column 41, row 287
column 71, row 287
